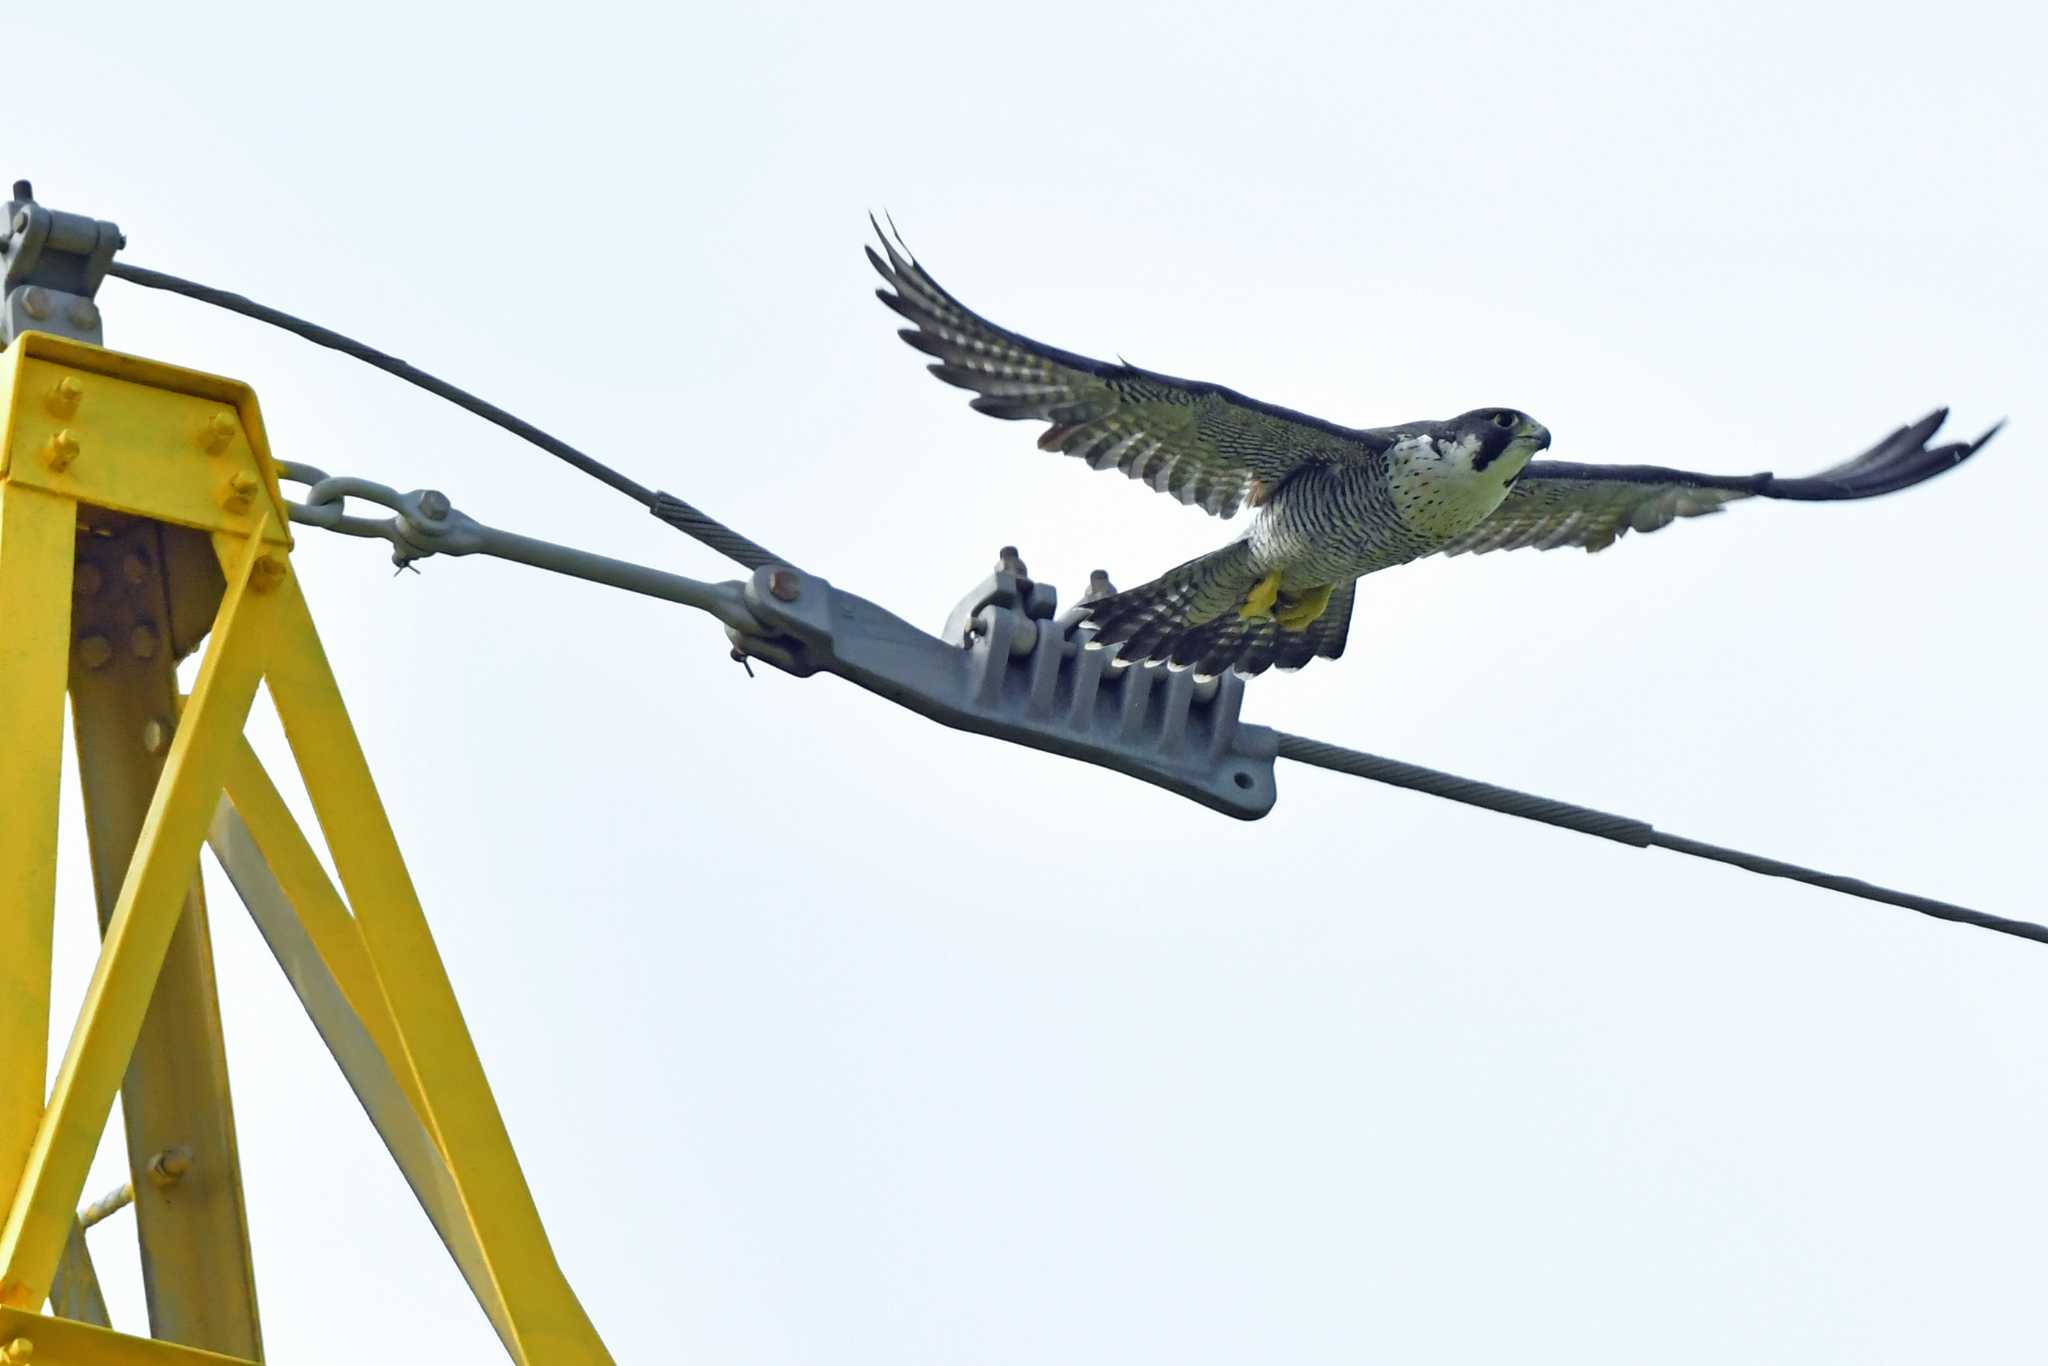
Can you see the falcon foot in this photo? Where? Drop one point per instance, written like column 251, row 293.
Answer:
column 1304, row 608
column 1258, row 604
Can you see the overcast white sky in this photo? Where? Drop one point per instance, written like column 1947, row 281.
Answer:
column 830, row 1036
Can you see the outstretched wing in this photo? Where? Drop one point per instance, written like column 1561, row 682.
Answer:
column 1202, row 443
column 1554, row 503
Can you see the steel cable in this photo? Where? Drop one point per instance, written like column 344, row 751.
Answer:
column 1622, row 829
column 669, row 508
column 694, row 522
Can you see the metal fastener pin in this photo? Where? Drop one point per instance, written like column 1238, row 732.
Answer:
column 64, row 396
column 240, row 491
column 61, row 449
column 784, row 585
column 220, row 430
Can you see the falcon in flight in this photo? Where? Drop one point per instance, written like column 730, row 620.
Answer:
column 1333, row 503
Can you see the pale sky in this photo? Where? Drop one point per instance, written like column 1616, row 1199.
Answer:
column 829, row 1036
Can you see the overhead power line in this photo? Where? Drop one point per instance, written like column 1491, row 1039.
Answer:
column 1622, row 829
column 667, row 507
column 1301, row 749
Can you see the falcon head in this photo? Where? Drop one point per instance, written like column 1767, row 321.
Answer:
column 1496, row 441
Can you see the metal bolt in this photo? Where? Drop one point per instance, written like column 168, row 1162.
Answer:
column 18, row 1351
column 84, row 314
column 134, row 567
column 269, row 572
column 434, row 505
column 220, row 430
column 169, row 1165
column 35, row 301
column 142, row 640
column 239, row 490
column 784, row 585
column 94, row 652
column 64, row 396
column 1008, row 561
column 61, row 449
column 85, row 580
column 21, row 221
column 156, row 735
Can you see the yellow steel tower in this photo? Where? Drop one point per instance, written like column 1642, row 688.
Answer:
column 140, row 519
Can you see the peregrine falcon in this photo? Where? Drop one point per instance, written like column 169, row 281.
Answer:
column 1333, row 503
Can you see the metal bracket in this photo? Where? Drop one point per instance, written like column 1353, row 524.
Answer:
column 54, row 263
column 1010, row 669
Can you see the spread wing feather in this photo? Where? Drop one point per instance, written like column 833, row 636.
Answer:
column 1202, row 443
column 1554, row 503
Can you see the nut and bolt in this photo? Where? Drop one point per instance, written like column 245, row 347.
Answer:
column 268, row 573
column 61, row 449
column 434, row 505
column 220, row 430
column 35, row 301
column 239, row 491
column 784, row 585
column 64, row 396
column 142, row 640
column 168, row 1166
column 86, row 580
column 156, row 735
column 94, row 651
column 84, row 314
column 18, row 1351
column 134, row 567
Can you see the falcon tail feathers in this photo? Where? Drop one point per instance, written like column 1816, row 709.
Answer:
column 1190, row 617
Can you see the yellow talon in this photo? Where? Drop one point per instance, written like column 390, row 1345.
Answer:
column 1297, row 615
column 1258, row 604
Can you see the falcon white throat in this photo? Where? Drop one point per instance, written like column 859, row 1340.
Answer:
column 1333, row 503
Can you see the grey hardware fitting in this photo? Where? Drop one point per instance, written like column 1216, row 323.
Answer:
column 1011, row 669
column 54, row 263
column 1008, row 667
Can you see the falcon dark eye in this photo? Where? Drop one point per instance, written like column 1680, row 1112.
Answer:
column 1504, row 420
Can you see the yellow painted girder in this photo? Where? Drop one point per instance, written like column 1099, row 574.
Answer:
column 135, row 435
column 152, row 898
column 66, row 1342
column 547, row 1323
column 36, row 544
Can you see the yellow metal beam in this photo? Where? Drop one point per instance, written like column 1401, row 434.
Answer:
column 152, row 896
column 198, row 1276
column 372, row 1073
column 38, row 1340
column 319, row 907
column 548, row 1325
column 37, row 531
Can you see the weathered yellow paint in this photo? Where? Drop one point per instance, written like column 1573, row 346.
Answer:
column 64, row 1342
column 152, row 897
column 36, row 535
column 140, row 437
column 90, row 439
column 198, row 1274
